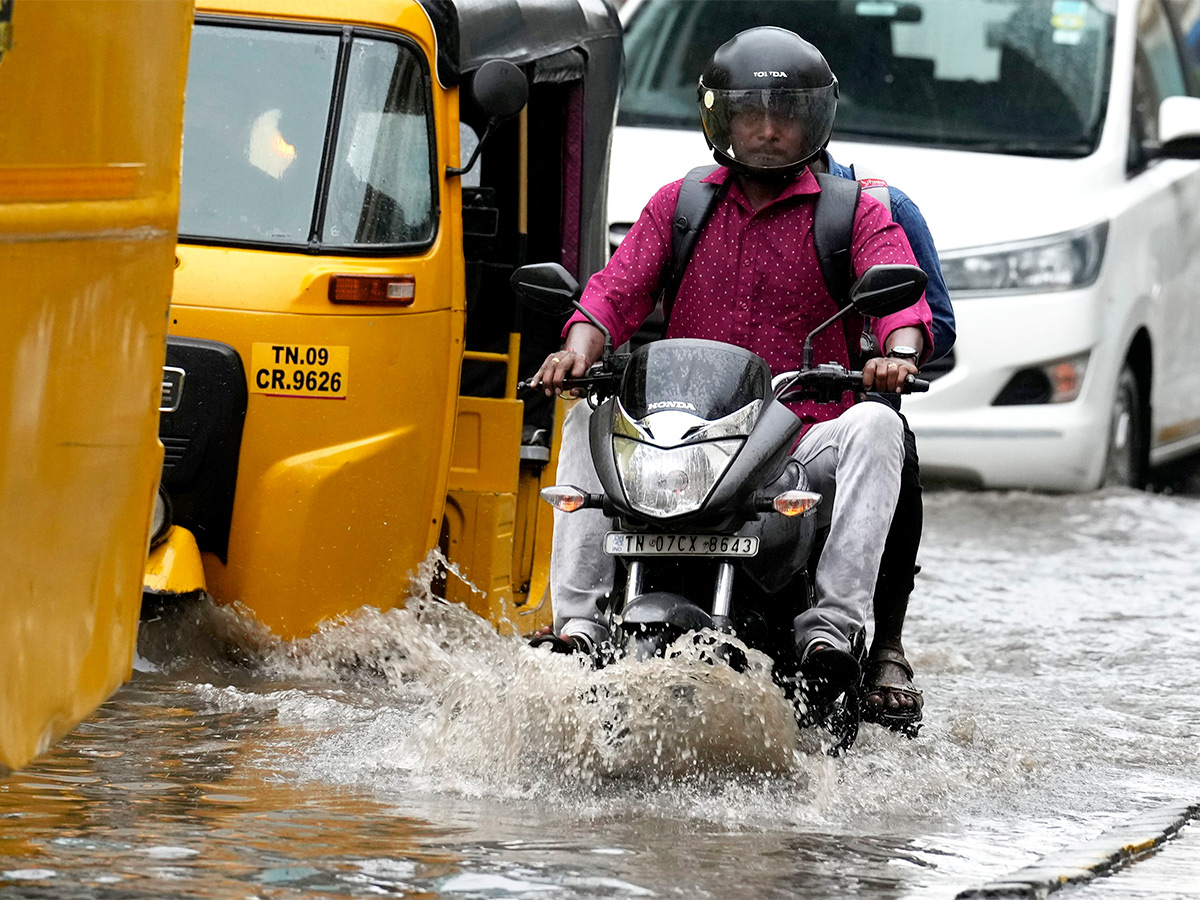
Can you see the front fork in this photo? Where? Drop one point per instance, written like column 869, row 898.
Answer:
column 722, row 604
column 723, row 598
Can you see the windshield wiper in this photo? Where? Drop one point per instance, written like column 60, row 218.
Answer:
column 981, row 145
column 1025, row 148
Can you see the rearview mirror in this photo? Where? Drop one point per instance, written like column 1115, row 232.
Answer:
column 546, row 287
column 501, row 90
column 881, row 291
column 887, row 289
column 549, row 288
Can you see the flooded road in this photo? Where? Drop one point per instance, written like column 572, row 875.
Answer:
column 418, row 754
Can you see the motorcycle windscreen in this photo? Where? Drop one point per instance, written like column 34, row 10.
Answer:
column 708, row 379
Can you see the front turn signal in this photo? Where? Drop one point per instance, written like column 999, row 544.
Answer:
column 565, row 498
column 795, row 503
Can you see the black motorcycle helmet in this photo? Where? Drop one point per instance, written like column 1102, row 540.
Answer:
column 767, row 73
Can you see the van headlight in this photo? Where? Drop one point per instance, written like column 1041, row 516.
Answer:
column 1061, row 262
column 663, row 482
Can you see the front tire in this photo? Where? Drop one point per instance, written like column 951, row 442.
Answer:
column 1128, row 434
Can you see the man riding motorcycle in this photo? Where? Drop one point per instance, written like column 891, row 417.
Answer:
column 767, row 103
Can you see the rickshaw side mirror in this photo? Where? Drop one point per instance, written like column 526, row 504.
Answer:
column 501, row 90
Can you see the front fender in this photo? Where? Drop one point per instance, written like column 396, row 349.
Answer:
column 665, row 608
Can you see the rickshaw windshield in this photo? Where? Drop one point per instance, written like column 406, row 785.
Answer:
column 705, row 378
column 257, row 125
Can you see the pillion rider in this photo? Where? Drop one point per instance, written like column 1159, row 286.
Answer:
column 768, row 100
column 892, row 699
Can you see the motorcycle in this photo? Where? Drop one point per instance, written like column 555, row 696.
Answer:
column 712, row 517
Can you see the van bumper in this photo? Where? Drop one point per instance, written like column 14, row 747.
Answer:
column 1062, row 452
column 964, row 438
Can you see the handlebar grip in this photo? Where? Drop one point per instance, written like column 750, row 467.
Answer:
column 525, row 389
column 916, row 385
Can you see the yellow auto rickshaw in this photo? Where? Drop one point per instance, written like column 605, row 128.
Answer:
column 91, row 103
column 360, row 179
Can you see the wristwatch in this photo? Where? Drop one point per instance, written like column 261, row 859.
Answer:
column 900, row 351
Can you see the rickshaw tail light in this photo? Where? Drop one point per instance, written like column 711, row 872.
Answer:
column 795, row 503
column 565, row 498
column 392, row 290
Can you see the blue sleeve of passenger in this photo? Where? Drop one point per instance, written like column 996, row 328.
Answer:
column 906, row 214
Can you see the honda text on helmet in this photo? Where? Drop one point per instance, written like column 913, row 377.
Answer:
column 767, row 101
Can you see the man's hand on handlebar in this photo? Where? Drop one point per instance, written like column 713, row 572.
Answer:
column 583, row 346
column 886, row 375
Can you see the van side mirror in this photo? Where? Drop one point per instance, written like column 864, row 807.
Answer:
column 550, row 289
column 887, row 289
column 1179, row 128
column 501, row 90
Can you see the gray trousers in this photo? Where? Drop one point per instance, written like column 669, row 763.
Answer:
column 853, row 461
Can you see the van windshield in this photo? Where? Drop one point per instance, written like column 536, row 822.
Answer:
column 263, row 163
column 1004, row 76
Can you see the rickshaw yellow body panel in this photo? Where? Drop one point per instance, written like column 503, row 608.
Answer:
column 498, row 529
column 91, row 97
column 336, row 498
column 340, row 495
column 481, row 508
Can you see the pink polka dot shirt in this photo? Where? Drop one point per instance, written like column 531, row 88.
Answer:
column 754, row 279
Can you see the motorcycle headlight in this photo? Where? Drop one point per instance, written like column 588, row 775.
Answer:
column 663, row 482
column 1061, row 262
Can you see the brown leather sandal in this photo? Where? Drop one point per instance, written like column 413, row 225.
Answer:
column 905, row 719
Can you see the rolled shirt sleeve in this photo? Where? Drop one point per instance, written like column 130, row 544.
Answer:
column 877, row 240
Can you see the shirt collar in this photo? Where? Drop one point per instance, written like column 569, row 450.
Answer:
column 805, row 184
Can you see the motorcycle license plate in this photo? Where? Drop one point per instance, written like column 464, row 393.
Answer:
column 620, row 543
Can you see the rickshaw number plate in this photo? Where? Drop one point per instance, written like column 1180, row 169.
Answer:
column 300, row 370
column 620, row 543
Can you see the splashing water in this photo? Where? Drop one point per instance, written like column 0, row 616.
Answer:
column 429, row 696
column 418, row 750
column 454, row 704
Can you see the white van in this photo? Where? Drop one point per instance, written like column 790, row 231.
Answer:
column 1037, row 138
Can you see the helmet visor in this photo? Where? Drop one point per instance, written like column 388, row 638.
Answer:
column 771, row 128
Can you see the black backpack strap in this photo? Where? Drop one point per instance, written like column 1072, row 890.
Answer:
column 833, row 230
column 697, row 200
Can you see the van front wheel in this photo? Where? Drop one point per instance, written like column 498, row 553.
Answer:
column 1127, row 434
